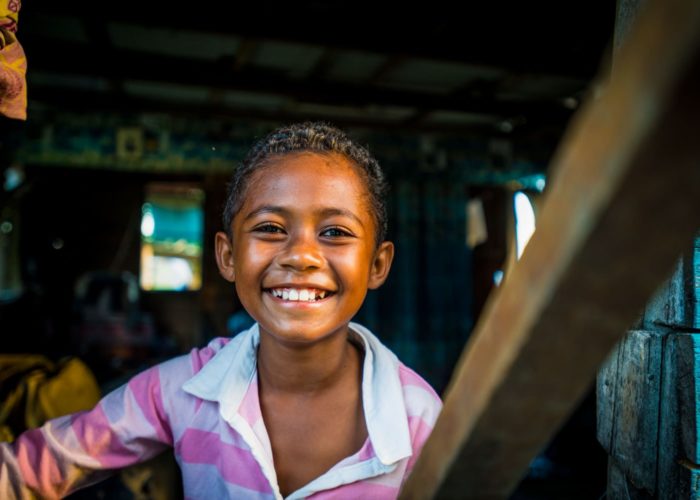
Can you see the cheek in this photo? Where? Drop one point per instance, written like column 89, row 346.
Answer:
column 353, row 265
column 250, row 257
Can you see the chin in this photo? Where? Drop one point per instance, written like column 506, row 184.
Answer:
column 301, row 335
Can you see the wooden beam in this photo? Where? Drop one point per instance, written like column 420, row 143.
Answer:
column 245, row 53
column 167, row 69
column 101, row 41
column 390, row 32
column 390, row 64
column 624, row 203
column 321, row 67
column 88, row 101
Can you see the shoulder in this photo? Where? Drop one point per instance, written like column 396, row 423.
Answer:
column 159, row 389
column 186, row 365
column 421, row 402
column 199, row 357
column 423, row 407
column 420, row 398
column 166, row 378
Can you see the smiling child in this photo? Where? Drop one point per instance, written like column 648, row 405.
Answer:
column 305, row 404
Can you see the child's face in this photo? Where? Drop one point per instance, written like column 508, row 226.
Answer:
column 303, row 250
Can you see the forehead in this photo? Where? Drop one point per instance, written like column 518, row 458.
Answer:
column 307, row 177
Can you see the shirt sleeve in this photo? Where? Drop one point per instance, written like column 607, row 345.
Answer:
column 423, row 406
column 127, row 426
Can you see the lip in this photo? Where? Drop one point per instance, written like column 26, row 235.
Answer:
column 300, row 286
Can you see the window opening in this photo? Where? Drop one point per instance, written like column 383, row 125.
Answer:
column 172, row 226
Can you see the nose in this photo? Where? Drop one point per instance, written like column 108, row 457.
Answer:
column 302, row 253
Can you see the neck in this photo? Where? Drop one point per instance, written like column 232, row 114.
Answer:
column 293, row 368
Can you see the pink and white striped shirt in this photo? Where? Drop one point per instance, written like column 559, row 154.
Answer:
column 205, row 405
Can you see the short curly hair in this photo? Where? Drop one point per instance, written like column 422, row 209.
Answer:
column 316, row 137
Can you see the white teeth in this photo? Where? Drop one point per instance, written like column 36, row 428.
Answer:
column 299, row 295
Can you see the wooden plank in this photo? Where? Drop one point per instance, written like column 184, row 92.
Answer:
column 689, row 481
column 669, row 434
column 626, row 173
column 635, row 410
column 668, row 306
column 628, row 406
column 687, row 385
column 679, row 450
column 675, row 305
column 606, row 392
column 620, row 488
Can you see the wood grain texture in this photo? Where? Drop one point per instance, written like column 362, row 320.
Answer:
column 675, row 304
column 606, row 393
column 627, row 172
column 628, row 408
column 619, row 486
column 689, row 482
column 679, row 451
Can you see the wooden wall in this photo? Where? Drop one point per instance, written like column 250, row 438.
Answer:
column 649, row 397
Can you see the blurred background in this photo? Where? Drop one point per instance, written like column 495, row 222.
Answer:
column 114, row 186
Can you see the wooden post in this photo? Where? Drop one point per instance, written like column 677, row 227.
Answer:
column 626, row 173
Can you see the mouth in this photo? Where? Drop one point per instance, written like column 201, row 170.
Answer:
column 287, row 294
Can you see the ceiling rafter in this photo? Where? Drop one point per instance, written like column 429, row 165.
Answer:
column 140, row 66
column 390, row 64
column 458, row 39
column 323, row 64
column 94, row 101
column 245, row 53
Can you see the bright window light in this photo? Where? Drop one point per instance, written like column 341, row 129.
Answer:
column 172, row 224
column 498, row 277
column 524, row 221
column 148, row 222
column 540, row 183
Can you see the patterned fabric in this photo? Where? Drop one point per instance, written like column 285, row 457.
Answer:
column 206, row 406
column 13, row 64
column 9, row 14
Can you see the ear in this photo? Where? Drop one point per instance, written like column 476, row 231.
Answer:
column 383, row 257
column 224, row 256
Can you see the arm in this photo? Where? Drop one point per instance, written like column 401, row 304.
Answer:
column 128, row 426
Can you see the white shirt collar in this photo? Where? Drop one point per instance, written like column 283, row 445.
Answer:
column 226, row 377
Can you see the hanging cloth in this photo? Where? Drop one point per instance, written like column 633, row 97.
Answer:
column 34, row 389
column 13, row 64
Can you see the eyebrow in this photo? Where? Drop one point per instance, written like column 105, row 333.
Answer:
column 329, row 212
column 323, row 212
column 267, row 209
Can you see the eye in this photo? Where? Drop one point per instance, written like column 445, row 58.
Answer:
column 268, row 228
column 336, row 232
